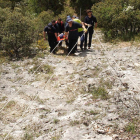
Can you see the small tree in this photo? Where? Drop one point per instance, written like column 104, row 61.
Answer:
column 41, row 21
column 3, row 13
column 13, row 3
column 17, row 34
column 44, row 18
column 118, row 18
column 68, row 10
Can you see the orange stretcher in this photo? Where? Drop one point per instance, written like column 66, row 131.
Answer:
column 61, row 37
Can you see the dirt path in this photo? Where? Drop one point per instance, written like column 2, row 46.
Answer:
column 87, row 97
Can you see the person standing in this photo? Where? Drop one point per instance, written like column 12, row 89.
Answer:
column 90, row 20
column 71, row 32
column 60, row 25
column 52, row 35
column 80, row 31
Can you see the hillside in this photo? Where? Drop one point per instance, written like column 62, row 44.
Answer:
column 93, row 95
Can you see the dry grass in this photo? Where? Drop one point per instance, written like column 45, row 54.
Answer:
column 99, row 92
column 74, row 122
column 3, row 98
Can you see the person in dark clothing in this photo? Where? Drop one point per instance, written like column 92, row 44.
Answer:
column 66, row 23
column 71, row 32
column 52, row 35
column 80, row 31
column 60, row 26
column 90, row 20
column 67, row 20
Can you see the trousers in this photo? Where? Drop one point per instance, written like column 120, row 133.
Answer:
column 90, row 33
column 82, row 38
column 72, row 45
column 52, row 43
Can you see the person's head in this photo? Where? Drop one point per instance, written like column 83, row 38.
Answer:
column 68, row 16
column 53, row 22
column 59, row 20
column 49, row 26
column 89, row 12
column 73, row 17
column 69, row 21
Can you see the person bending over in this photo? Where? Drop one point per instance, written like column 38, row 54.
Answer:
column 52, row 35
column 71, row 32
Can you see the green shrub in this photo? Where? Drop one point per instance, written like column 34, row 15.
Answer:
column 5, row 3
column 17, row 34
column 99, row 92
column 74, row 122
column 131, row 128
column 44, row 18
column 118, row 18
column 3, row 16
column 40, row 22
column 41, row 68
column 27, row 136
column 68, row 10
column 56, row 121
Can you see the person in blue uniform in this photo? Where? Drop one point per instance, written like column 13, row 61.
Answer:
column 90, row 21
column 51, row 31
column 71, row 32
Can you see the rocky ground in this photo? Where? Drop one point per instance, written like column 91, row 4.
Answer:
column 93, row 95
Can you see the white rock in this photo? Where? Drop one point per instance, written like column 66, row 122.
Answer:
column 101, row 131
column 115, row 136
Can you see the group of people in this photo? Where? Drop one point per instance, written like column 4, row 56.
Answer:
column 70, row 31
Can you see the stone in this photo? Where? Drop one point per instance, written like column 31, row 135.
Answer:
column 112, row 117
column 100, row 131
column 91, row 81
column 115, row 136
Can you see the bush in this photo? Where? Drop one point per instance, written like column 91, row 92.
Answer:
column 40, row 22
column 68, row 10
column 118, row 18
column 4, row 3
column 99, row 92
column 131, row 128
column 3, row 15
column 44, row 18
column 17, row 34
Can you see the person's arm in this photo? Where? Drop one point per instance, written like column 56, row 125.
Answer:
column 95, row 20
column 44, row 33
column 56, row 35
column 78, row 25
column 66, row 32
column 96, row 25
column 85, row 21
column 83, row 26
column 63, row 28
column 86, row 24
column 66, row 35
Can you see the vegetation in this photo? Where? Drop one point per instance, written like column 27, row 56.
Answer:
column 131, row 127
column 18, row 35
column 56, row 121
column 92, row 112
column 118, row 18
column 41, row 68
column 27, row 136
column 22, row 21
column 74, row 122
column 99, row 92
column 10, row 104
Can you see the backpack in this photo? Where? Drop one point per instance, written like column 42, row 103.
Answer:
column 61, row 23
